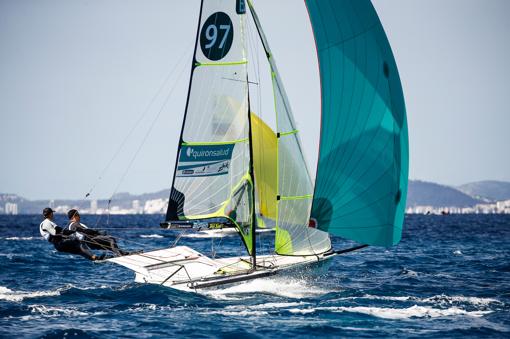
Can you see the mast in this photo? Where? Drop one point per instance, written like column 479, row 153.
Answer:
column 252, row 175
column 294, row 185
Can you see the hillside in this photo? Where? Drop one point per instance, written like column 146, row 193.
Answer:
column 487, row 190
column 422, row 193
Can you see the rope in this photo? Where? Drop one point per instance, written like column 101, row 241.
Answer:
column 96, row 243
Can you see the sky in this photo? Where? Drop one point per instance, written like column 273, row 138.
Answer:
column 79, row 79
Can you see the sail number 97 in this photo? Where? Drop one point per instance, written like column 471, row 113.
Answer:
column 216, row 36
column 211, row 34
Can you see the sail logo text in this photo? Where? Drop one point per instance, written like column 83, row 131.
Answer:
column 190, row 152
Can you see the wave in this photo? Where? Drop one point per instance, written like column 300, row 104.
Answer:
column 437, row 299
column 17, row 296
column 19, row 238
column 396, row 313
column 274, row 305
column 56, row 311
column 11, row 256
column 392, row 313
column 476, row 301
column 244, row 313
column 151, row 236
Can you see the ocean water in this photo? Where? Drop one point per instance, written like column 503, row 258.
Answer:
column 449, row 277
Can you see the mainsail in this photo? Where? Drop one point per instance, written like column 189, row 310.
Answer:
column 361, row 183
column 213, row 177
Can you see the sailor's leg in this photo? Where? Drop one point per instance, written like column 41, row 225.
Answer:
column 113, row 246
column 108, row 243
column 74, row 246
column 85, row 252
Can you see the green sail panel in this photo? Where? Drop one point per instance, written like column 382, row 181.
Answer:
column 362, row 172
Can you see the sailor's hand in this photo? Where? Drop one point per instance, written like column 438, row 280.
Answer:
column 67, row 232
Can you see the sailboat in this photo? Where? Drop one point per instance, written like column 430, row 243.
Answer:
column 235, row 171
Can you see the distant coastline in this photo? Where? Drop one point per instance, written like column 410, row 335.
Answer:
column 482, row 197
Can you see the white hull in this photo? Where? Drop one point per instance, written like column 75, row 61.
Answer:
column 185, row 269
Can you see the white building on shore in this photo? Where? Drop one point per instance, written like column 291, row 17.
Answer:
column 11, row 208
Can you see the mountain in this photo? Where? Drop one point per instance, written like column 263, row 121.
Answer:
column 487, row 190
column 422, row 193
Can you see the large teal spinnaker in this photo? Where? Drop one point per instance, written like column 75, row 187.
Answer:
column 362, row 172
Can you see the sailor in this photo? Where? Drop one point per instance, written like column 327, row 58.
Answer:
column 62, row 239
column 95, row 239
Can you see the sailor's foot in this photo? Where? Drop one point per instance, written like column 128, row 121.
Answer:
column 96, row 258
column 123, row 253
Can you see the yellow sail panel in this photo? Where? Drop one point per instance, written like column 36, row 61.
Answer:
column 265, row 162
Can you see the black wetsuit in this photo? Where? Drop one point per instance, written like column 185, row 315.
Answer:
column 64, row 243
column 64, row 240
column 97, row 240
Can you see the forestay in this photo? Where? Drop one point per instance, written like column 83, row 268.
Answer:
column 361, row 183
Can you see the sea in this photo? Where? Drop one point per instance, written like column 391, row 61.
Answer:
column 449, row 277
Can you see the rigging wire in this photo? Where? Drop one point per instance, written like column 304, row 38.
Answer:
column 121, row 180
column 142, row 116
column 181, row 59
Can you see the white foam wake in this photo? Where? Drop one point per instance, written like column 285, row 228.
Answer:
column 20, row 238
column 284, row 287
column 17, row 296
column 151, row 236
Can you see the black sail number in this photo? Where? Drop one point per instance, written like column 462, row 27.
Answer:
column 216, row 36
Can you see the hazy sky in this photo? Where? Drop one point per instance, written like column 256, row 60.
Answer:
column 75, row 77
